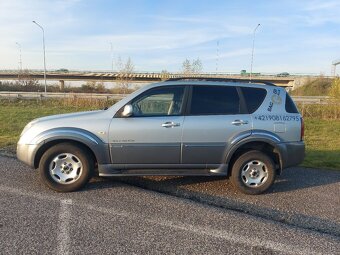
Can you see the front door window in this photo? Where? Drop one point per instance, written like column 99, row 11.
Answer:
column 159, row 102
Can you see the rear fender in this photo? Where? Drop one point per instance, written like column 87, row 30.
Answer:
column 256, row 136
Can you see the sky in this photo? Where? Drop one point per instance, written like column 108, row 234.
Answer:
column 294, row 36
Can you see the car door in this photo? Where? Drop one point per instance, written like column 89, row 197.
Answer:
column 215, row 116
column 152, row 135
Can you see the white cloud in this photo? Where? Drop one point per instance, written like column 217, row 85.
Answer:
column 321, row 5
column 317, row 13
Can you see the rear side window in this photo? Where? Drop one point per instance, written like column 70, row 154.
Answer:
column 253, row 97
column 290, row 106
column 214, row 100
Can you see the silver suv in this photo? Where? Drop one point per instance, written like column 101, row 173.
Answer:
column 248, row 131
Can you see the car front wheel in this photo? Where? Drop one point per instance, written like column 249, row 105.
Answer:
column 66, row 167
column 253, row 173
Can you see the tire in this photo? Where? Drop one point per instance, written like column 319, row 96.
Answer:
column 253, row 173
column 66, row 167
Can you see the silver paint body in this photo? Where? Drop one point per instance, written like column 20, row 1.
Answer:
column 195, row 142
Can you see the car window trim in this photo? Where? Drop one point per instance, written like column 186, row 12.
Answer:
column 243, row 106
column 185, row 96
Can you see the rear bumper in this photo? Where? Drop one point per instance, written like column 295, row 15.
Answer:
column 292, row 153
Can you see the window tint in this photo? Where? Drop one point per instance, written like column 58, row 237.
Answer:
column 209, row 100
column 290, row 106
column 253, row 97
column 159, row 102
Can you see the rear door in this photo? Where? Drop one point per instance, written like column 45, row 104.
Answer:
column 215, row 115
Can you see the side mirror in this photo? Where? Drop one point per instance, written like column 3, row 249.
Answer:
column 127, row 112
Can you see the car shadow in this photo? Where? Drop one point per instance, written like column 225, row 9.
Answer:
column 98, row 183
column 297, row 178
column 291, row 179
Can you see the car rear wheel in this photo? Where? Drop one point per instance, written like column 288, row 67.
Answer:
column 66, row 167
column 253, row 172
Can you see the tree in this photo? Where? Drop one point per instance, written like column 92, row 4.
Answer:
column 186, row 67
column 192, row 67
column 93, row 86
column 89, row 87
column 125, row 71
column 335, row 89
column 26, row 80
column 197, row 66
column 165, row 75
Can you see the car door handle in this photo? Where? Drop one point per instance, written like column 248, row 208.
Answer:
column 239, row 122
column 170, row 124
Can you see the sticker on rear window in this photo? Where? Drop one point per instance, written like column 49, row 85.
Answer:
column 275, row 99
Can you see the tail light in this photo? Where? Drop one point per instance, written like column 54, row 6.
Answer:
column 302, row 129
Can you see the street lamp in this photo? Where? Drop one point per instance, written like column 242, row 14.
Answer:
column 252, row 52
column 44, row 53
column 20, row 61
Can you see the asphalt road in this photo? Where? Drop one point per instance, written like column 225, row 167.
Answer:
column 303, row 197
column 111, row 217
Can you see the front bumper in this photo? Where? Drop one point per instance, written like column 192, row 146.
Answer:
column 292, row 153
column 26, row 152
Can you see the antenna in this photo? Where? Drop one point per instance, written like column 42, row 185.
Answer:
column 217, row 54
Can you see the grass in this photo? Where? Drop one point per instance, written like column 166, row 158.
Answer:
column 15, row 115
column 322, row 137
column 314, row 87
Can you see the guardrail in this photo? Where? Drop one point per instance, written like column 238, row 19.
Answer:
column 58, row 95
column 312, row 99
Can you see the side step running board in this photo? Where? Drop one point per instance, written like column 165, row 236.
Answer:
column 110, row 170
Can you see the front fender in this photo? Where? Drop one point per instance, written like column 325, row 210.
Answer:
column 77, row 134
column 90, row 140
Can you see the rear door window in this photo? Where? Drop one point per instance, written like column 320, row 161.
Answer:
column 214, row 100
column 253, row 97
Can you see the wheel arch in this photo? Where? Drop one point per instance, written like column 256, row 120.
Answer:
column 263, row 144
column 42, row 149
column 96, row 147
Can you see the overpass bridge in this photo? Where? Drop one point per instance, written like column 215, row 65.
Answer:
column 144, row 77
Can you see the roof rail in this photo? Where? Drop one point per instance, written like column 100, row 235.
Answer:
column 221, row 80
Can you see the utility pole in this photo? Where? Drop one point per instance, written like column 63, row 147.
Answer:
column 44, row 53
column 20, row 60
column 111, row 47
column 252, row 52
column 217, row 54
